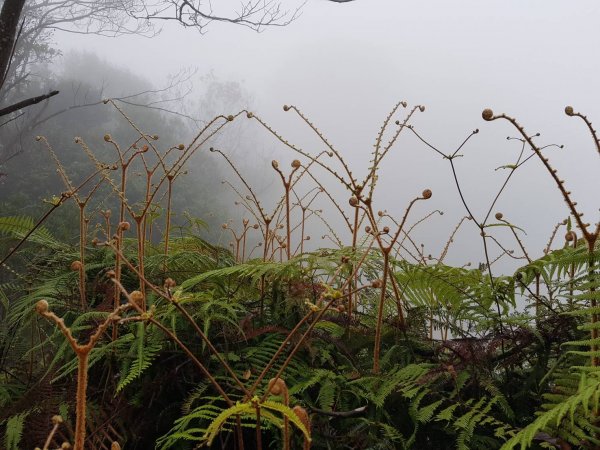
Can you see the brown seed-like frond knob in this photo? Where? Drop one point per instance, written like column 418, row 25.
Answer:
column 499, row 216
column 275, row 164
column 41, row 306
column 286, row 108
column 569, row 110
column 181, row 147
column 487, row 114
column 249, row 115
column 353, row 201
column 427, row 194
column 376, row 284
column 136, row 297
column 115, row 446
column 125, row 226
column 277, row 386
column 107, row 138
column 570, row 236
column 230, row 118
column 170, row 283
column 57, row 420
column 76, row 266
column 386, row 229
column 296, row 163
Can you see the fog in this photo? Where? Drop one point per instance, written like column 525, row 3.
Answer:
column 346, row 65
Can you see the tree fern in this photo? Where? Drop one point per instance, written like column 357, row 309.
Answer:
column 568, row 413
column 249, row 409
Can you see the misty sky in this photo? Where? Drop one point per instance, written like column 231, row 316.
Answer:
column 346, row 65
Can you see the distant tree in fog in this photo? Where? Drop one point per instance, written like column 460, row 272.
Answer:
column 26, row 27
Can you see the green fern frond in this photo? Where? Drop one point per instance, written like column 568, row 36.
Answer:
column 147, row 346
column 14, row 431
column 17, row 227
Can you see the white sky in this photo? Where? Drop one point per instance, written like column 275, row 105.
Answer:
column 346, row 65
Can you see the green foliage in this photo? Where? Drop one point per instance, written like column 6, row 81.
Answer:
column 14, row 431
column 428, row 393
column 17, row 227
column 463, row 371
column 144, row 349
column 568, row 412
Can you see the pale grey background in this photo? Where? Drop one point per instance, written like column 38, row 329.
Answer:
column 345, row 65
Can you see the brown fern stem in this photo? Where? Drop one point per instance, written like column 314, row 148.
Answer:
column 377, row 347
column 82, row 236
column 82, row 379
column 168, row 221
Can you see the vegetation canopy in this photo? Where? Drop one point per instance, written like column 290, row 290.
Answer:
column 139, row 333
